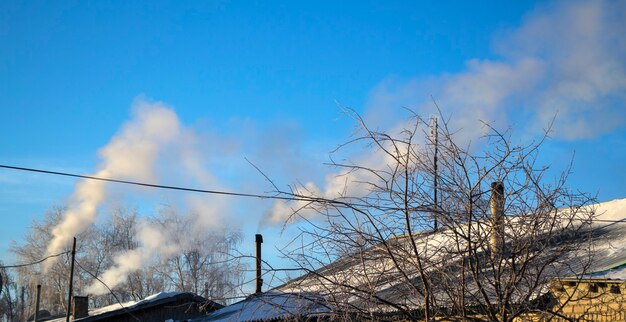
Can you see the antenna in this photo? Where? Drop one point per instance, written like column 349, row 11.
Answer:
column 434, row 131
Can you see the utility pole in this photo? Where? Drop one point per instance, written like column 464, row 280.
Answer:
column 69, row 295
column 435, row 133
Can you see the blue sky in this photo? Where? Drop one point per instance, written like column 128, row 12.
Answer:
column 263, row 80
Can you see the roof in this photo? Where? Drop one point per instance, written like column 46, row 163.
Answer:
column 271, row 306
column 377, row 273
column 133, row 306
column 610, row 252
column 309, row 295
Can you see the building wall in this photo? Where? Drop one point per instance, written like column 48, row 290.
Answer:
column 590, row 300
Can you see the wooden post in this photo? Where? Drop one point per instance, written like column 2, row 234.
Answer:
column 259, row 280
column 37, row 302
column 69, row 295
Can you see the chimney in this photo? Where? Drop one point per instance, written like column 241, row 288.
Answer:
column 259, row 280
column 496, row 202
column 79, row 307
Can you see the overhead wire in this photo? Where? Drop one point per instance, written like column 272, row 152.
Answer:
column 34, row 263
column 218, row 192
column 294, row 197
column 234, row 194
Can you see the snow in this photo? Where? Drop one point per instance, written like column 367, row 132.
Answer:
column 270, row 305
column 612, row 210
column 302, row 297
column 608, row 249
column 609, row 261
column 131, row 304
column 127, row 305
column 611, row 252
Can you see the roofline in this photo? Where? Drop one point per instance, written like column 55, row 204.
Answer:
column 590, row 280
column 120, row 311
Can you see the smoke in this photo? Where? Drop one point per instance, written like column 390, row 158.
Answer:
column 130, row 155
column 158, row 132
column 346, row 185
column 153, row 137
column 153, row 240
column 567, row 59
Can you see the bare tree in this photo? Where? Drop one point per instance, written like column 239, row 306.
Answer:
column 205, row 267
column 369, row 247
column 33, row 248
column 9, row 300
column 116, row 236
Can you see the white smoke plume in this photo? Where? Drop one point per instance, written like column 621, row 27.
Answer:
column 345, row 184
column 153, row 137
column 152, row 239
column 130, row 155
column 568, row 58
column 162, row 139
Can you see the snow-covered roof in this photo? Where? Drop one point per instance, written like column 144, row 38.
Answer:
column 133, row 304
column 610, row 252
column 271, row 306
column 375, row 271
column 309, row 294
column 130, row 306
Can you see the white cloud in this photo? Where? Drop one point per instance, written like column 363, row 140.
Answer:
column 567, row 59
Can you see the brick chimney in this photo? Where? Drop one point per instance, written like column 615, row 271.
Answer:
column 79, row 307
column 496, row 203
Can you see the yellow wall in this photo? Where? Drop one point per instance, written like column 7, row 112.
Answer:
column 591, row 300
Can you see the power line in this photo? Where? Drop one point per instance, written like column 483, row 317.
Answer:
column 236, row 194
column 34, row 263
column 293, row 197
column 143, row 184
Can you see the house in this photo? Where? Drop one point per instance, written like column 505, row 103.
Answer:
column 588, row 281
column 601, row 294
column 158, row 307
column 590, row 299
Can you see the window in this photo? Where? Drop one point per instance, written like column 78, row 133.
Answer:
column 593, row 287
